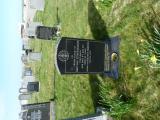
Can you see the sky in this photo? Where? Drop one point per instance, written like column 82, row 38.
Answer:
column 10, row 61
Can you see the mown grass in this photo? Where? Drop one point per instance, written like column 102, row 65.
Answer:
column 76, row 95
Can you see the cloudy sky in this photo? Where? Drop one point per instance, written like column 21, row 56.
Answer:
column 10, row 63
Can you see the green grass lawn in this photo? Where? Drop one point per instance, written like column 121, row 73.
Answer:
column 78, row 95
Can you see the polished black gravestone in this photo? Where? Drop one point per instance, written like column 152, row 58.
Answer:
column 83, row 56
column 40, row 111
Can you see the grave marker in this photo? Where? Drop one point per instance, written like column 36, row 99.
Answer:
column 40, row 111
column 83, row 56
column 30, row 87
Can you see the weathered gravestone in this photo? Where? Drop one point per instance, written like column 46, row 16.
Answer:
column 40, row 111
column 27, row 71
column 35, row 56
column 33, row 86
column 46, row 33
column 30, row 8
column 83, row 56
column 37, row 4
column 30, row 87
column 31, row 57
column 28, row 29
column 37, row 30
column 24, row 96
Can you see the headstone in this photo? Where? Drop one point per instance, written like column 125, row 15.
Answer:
column 46, row 33
column 33, row 86
column 31, row 57
column 23, row 90
column 37, row 4
column 28, row 29
column 30, row 8
column 24, row 58
column 30, row 87
column 29, row 14
column 91, row 117
column 40, row 111
column 27, row 71
column 24, row 96
column 83, row 56
column 27, row 79
column 31, row 29
column 25, row 45
column 34, row 56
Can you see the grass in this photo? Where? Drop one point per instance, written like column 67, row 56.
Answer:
column 77, row 95
column 150, row 49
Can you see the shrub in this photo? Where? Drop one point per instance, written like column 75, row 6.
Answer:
column 115, row 105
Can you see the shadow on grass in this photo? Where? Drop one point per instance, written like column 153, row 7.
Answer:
column 99, row 32
column 57, row 16
column 94, row 83
column 96, row 23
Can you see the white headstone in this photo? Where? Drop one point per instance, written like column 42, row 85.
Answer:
column 24, row 58
column 27, row 71
column 37, row 4
column 25, row 45
column 24, row 96
column 35, row 56
column 30, row 7
column 31, row 28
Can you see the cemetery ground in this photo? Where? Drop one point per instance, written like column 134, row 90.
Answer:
column 135, row 95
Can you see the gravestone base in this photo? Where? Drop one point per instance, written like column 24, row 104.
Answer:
column 114, row 59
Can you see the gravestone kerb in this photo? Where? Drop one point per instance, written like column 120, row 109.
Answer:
column 114, row 49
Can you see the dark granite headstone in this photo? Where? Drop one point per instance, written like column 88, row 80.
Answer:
column 30, row 88
column 40, row 111
column 83, row 56
column 46, row 33
column 33, row 87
